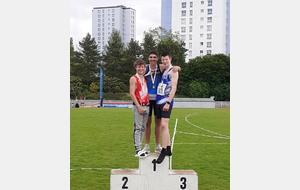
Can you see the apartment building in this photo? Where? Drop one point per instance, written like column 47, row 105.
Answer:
column 203, row 25
column 105, row 19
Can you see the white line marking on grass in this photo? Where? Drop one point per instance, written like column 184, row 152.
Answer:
column 200, row 143
column 91, row 169
column 203, row 135
column 224, row 136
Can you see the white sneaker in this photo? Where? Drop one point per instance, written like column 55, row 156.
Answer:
column 158, row 149
column 146, row 148
column 142, row 154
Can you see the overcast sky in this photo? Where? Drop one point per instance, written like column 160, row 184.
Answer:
column 148, row 14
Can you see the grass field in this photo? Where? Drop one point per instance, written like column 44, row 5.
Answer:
column 102, row 139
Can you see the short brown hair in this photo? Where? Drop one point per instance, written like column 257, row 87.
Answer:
column 166, row 53
column 139, row 62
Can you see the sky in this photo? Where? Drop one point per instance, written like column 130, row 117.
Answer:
column 148, row 15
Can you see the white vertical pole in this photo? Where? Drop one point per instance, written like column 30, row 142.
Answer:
column 173, row 138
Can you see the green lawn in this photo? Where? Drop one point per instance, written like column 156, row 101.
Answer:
column 103, row 138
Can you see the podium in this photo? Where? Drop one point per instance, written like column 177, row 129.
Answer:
column 152, row 176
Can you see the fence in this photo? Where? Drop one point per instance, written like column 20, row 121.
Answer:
column 178, row 103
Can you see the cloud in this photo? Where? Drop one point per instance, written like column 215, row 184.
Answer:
column 148, row 14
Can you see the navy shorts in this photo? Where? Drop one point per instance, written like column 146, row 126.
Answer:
column 152, row 105
column 162, row 114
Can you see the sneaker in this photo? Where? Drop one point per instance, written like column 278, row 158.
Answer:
column 146, row 148
column 158, row 149
column 142, row 154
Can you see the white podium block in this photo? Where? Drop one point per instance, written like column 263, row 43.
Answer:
column 152, row 176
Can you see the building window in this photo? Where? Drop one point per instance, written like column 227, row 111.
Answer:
column 183, row 21
column 183, row 29
column 201, row 43
column 201, row 35
column 208, row 52
column 209, row 36
column 191, row 4
column 113, row 24
column 202, row 10
column 99, row 11
column 209, row 19
column 183, row 37
column 210, row 3
column 102, row 24
column 99, row 20
column 201, row 18
column 202, row 2
column 102, row 29
column 209, row 27
column 102, row 20
column 113, row 15
column 191, row 12
column 183, row 5
column 191, row 29
column 99, row 25
column 99, row 16
column 209, row 44
column 190, row 53
column 201, row 51
column 99, row 29
column 108, row 14
column 209, row 11
column 113, row 20
column 201, row 27
column 191, row 37
column 102, row 11
column 103, row 15
column 183, row 13
column 113, row 10
column 191, row 20
column 190, row 45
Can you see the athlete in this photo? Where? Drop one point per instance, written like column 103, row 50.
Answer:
column 164, row 102
column 140, row 108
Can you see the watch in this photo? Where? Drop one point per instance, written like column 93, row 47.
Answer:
column 168, row 102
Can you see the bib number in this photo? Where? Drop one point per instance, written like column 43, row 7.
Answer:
column 161, row 89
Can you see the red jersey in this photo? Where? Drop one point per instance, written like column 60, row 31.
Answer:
column 141, row 92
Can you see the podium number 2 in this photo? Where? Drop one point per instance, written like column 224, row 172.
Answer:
column 183, row 186
column 125, row 179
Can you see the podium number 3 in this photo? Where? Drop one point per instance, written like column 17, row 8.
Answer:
column 183, row 186
column 125, row 179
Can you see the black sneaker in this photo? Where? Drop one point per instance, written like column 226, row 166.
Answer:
column 161, row 157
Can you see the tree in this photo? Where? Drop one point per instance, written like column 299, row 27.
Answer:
column 113, row 54
column 167, row 41
column 72, row 63
column 88, row 60
column 148, row 45
column 75, row 87
column 206, row 76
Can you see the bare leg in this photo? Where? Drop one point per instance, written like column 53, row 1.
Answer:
column 165, row 132
column 148, row 130
column 157, row 130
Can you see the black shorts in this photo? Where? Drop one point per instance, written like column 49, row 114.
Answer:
column 162, row 114
column 152, row 105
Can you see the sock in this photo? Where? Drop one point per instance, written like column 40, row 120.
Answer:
column 161, row 157
column 168, row 152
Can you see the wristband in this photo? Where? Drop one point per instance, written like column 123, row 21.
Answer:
column 168, row 102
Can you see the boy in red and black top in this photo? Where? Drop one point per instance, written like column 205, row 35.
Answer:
column 140, row 108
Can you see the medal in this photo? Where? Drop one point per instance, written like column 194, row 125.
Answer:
column 153, row 78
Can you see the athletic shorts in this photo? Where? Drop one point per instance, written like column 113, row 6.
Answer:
column 152, row 105
column 162, row 114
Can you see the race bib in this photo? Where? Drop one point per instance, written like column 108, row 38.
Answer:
column 161, row 89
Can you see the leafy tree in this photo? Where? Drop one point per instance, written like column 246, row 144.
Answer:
column 75, row 87
column 206, row 76
column 167, row 41
column 94, row 87
column 72, row 63
column 88, row 60
column 114, row 85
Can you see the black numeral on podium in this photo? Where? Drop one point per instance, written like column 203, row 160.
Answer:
column 183, row 186
column 125, row 179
